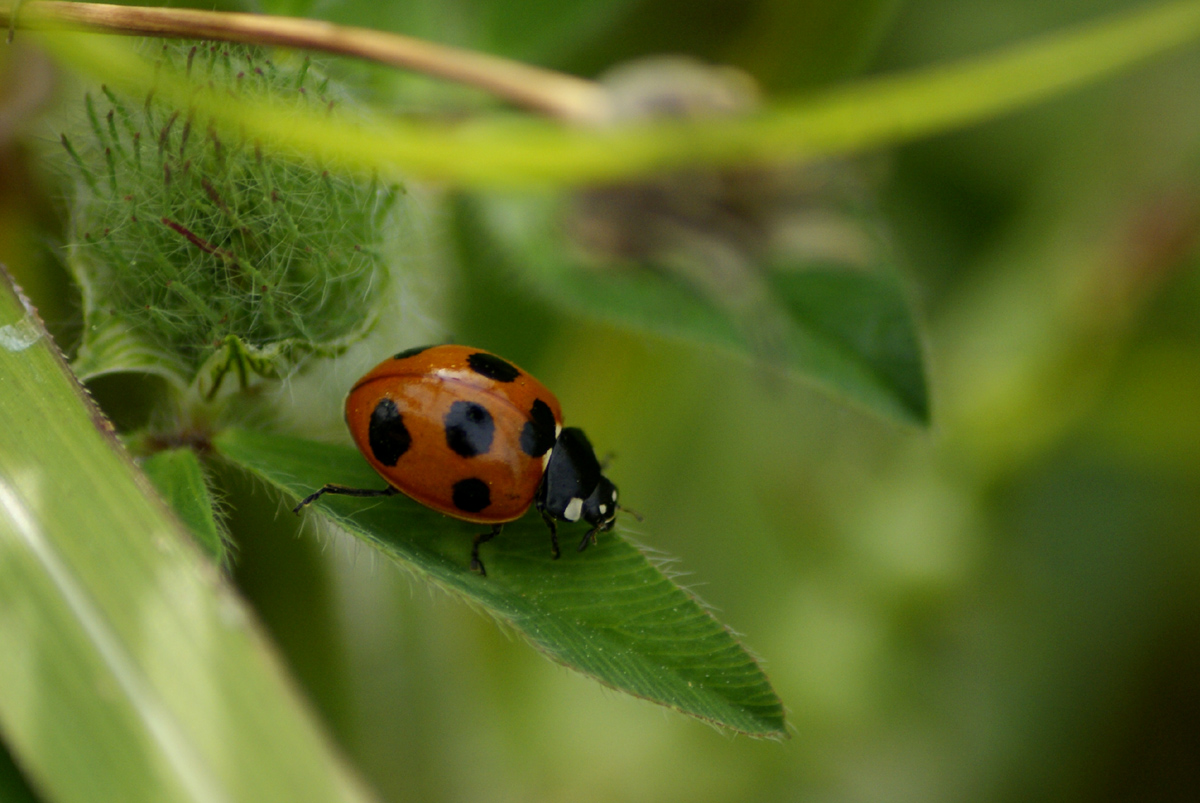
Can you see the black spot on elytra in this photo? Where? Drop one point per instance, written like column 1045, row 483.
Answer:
column 404, row 355
column 387, row 435
column 471, row 495
column 469, row 428
column 492, row 367
column 537, row 436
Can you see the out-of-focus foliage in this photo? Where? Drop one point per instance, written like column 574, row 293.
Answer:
column 1004, row 608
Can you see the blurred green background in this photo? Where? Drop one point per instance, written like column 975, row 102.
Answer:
column 1003, row 607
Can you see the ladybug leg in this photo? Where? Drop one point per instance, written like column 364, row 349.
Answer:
column 342, row 489
column 588, row 538
column 482, row 538
column 546, row 517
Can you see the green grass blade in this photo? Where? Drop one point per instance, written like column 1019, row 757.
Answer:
column 607, row 612
column 179, row 477
column 128, row 670
column 871, row 113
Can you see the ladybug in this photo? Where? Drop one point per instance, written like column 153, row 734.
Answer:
column 473, row 436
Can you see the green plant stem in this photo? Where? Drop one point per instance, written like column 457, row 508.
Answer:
column 872, row 113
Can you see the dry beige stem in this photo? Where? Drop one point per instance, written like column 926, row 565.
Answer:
column 559, row 95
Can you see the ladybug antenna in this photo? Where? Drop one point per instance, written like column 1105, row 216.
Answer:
column 633, row 513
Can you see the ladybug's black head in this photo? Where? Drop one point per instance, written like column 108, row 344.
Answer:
column 600, row 509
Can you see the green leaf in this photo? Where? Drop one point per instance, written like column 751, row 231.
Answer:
column 848, row 330
column 179, row 477
column 129, row 670
column 856, row 336
column 607, row 612
column 502, row 151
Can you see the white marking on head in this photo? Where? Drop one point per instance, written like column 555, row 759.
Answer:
column 603, row 509
column 574, row 509
column 557, row 431
column 546, row 459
